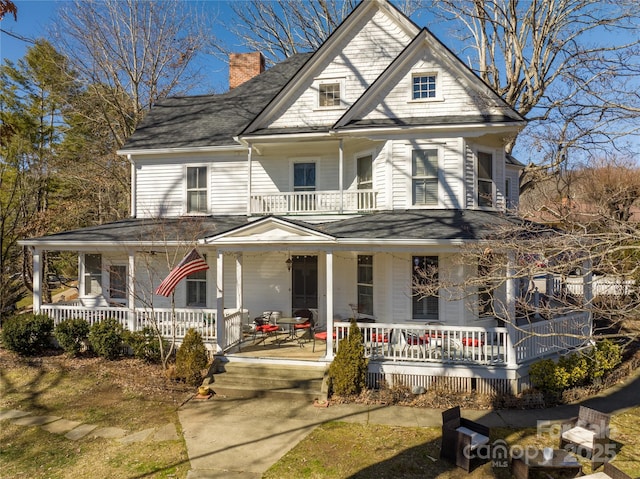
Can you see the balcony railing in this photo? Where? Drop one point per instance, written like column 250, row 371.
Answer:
column 311, row 202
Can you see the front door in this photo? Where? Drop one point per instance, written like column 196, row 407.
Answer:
column 304, row 282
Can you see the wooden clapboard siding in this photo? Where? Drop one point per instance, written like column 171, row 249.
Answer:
column 362, row 57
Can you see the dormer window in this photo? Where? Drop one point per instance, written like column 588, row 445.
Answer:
column 330, row 93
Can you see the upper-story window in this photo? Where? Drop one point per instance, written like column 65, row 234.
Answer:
column 425, row 177
column 197, row 189
column 364, row 174
column 304, row 177
column 330, row 93
column 424, row 86
column 485, row 179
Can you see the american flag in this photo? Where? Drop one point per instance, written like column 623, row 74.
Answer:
column 192, row 263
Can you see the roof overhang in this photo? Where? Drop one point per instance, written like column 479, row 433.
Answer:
column 166, row 151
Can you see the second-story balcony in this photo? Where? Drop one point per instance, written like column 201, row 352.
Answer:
column 314, row 202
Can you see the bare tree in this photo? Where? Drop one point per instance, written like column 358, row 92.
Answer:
column 282, row 28
column 568, row 65
column 131, row 53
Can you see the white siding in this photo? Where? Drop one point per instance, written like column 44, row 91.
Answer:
column 160, row 189
column 363, row 57
column 456, row 99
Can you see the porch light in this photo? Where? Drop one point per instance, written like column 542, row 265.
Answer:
column 289, row 263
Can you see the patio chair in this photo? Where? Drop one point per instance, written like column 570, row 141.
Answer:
column 462, row 440
column 609, row 472
column 307, row 326
column 587, row 434
column 264, row 326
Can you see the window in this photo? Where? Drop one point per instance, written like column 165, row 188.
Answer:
column 197, row 289
column 425, row 177
column 365, row 172
column 304, row 177
column 118, row 282
column 485, row 179
column 424, row 287
column 507, row 192
column 92, row 274
column 197, row 189
column 329, row 95
column 365, row 284
column 424, row 87
column 485, row 291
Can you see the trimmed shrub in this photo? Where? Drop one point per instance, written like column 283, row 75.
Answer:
column 106, row 338
column 348, row 371
column 27, row 334
column 577, row 368
column 605, row 357
column 191, row 358
column 546, row 375
column 145, row 344
column 71, row 333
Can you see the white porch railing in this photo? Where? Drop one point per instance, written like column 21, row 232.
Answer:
column 441, row 344
column 202, row 320
column 546, row 337
column 308, row 202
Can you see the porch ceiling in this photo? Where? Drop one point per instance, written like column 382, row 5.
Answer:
column 413, row 226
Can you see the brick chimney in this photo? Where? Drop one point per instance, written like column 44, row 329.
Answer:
column 243, row 67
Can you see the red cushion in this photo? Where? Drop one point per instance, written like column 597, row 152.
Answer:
column 475, row 342
column 302, row 325
column 267, row 328
column 322, row 335
column 414, row 340
column 379, row 338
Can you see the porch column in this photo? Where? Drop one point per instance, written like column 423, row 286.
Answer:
column 37, row 280
column 131, row 289
column 341, row 173
column 510, row 311
column 239, row 283
column 134, row 211
column 249, row 155
column 220, row 332
column 329, row 305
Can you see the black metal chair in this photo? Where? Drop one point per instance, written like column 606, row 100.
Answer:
column 463, row 440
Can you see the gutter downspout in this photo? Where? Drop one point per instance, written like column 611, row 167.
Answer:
column 249, row 157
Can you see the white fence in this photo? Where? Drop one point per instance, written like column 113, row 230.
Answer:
column 602, row 286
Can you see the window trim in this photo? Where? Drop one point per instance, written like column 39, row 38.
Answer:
column 357, row 157
column 479, row 180
column 86, row 276
column 329, row 81
column 187, row 190
column 438, row 86
column 438, row 177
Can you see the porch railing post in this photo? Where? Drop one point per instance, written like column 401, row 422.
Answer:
column 512, row 336
column 221, row 340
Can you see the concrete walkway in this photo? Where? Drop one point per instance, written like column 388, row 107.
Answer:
column 75, row 431
column 242, row 438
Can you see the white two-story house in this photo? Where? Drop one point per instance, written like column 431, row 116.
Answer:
column 327, row 182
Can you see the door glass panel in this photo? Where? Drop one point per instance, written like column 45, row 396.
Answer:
column 304, row 282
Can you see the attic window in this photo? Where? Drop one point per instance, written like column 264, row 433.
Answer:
column 424, row 86
column 329, row 95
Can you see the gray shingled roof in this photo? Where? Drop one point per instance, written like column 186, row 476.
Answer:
column 211, row 120
column 419, row 225
column 386, row 225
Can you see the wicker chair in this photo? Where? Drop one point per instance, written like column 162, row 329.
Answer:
column 462, row 439
column 588, row 435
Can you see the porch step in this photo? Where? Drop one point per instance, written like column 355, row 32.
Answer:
column 255, row 379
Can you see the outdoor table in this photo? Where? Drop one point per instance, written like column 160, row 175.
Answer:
column 292, row 322
column 532, row 460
